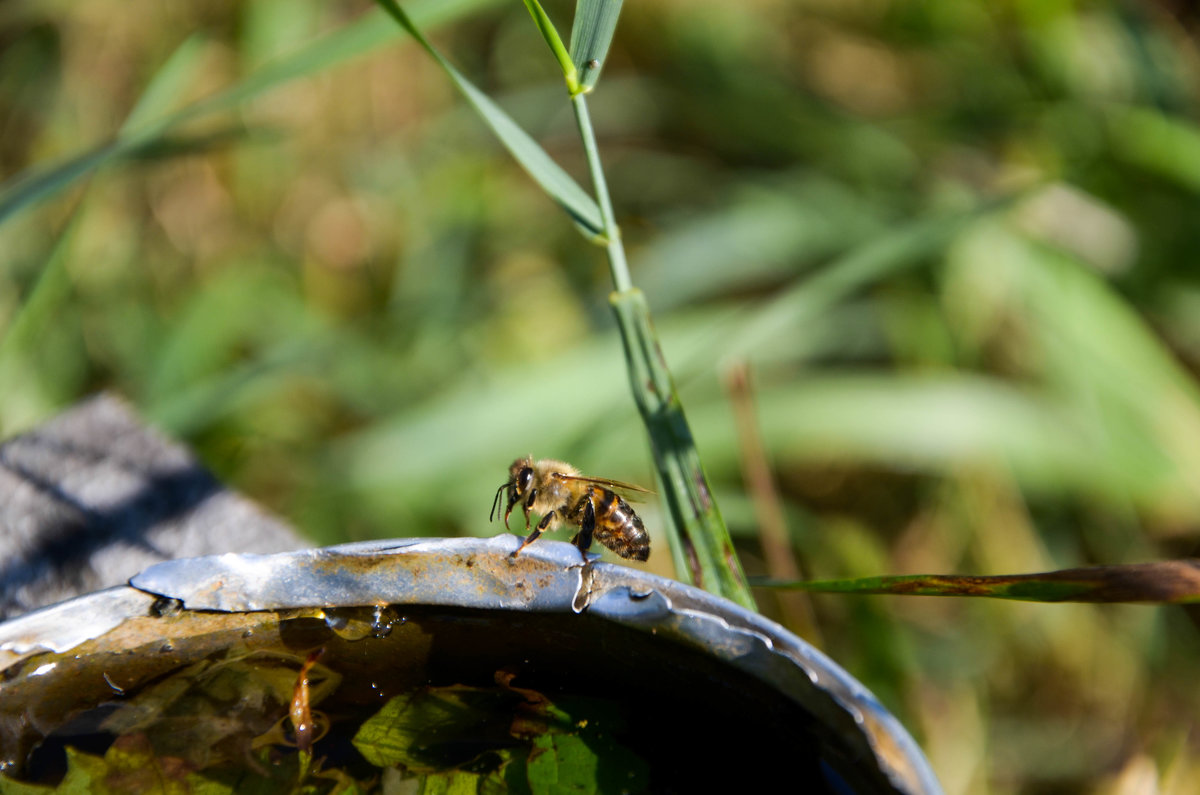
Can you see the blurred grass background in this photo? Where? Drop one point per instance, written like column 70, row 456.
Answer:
column 954, row 243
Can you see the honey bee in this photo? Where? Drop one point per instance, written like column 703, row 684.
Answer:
column 561, row 495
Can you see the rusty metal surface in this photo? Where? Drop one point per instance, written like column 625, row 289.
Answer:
column 465, row 572
column 549, row 577
column 64, row 626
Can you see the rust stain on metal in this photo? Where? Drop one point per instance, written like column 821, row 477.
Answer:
column 898, row 764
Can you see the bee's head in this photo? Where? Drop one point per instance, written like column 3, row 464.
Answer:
column 520, row 476
column 520, row 480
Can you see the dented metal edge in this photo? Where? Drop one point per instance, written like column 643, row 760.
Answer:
column 63, row 626
column 471, row 572
column 481, row 573
column 645, row 600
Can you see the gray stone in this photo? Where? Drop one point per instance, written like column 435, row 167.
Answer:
column 94, row 496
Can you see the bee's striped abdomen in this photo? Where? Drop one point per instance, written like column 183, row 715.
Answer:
column 618, row 527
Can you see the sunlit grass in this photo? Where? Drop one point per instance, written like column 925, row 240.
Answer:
column 359, row 310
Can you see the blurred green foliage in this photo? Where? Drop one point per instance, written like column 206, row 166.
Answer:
column 953, row 241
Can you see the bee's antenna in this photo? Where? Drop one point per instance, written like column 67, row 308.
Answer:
column 496, row 501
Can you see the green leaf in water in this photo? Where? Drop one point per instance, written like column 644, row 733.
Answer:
column 84, row 773
column 10, row 786
column 562, row 764
column 454, row 782
column 493, row 740
column 438, row 729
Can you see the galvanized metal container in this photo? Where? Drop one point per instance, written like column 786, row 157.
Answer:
column 706, row 693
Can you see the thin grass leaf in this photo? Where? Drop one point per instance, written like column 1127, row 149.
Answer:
column 167, row 84
column 556, row 182
column 591, row 36
column 908, row 246
column 25, row 381
column 26, row 189
column 356, row 39
column 700, row 545
column 772, row 231
column 1109, row 367
column 1163, row 144
column 1166, row 582
column 550, row 34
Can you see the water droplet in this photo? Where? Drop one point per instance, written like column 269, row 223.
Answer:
column 348, row 623
column 42, row 670
column 336, row 621
column 383, row 620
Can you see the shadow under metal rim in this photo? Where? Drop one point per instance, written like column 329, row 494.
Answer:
column 548, row 577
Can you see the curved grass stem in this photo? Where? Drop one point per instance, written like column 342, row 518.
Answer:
column 700, row 545
column 612, row 233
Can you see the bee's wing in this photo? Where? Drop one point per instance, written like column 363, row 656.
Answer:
column 627, row 490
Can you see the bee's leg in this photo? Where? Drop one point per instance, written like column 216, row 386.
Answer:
column 512, row 500
column 529, row 505
column 583, row 539
column 537, row 531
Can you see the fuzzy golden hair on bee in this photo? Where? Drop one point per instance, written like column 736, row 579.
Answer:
column 561, row 495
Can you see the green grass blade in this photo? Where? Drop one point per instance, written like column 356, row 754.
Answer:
column 591, row 35
column 369, row 33
column 372, row 31
column 550, row 34
column 1166, row 582
column 907, row 246
column 556, row 182
column 1158, row 142
column 39, row 369
column 167, row 84
column 700, row 543
column 28, row 188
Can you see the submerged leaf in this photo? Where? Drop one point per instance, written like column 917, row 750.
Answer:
column 10, row 786
column 562, row 763
column 1167, row 582
column 133, row 766
column 266, row 773
column 454, row 782
column 506, row 739
column 438, row 729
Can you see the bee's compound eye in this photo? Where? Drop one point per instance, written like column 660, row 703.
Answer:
column 524, row 480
